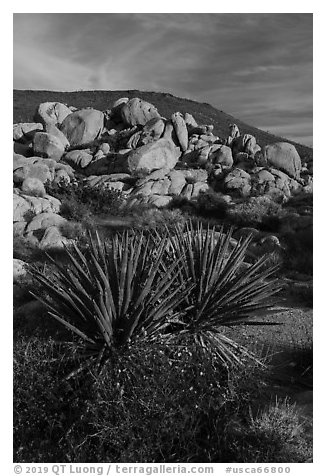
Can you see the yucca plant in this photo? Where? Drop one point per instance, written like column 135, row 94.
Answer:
column 114, row 293
column 226, row 291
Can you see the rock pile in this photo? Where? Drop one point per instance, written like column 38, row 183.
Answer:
column 149, row 158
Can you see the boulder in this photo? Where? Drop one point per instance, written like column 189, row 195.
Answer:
column 180, row 130
column 25, row 150
column 18, row 228
column 39, row 171
column 244, row 143
column 33, row 186
column 115, row 113
column 78, row 158
column 221, row 154
column 48, row 146
column 178, row 182
column 190, row 120
column 20, row 208
column 283, row 156
column 97, row 181
column 156, row 155
column 159, row 201
column 199, row 187
column 152, row 131
column 159, row 174
column 187, row 191
column 138, row 112
column 83, row 127
column 105, row 148
column 44, row 220
column 133, row 140
column 144, row 189
column 54, row 131
column 170, row 134
column 26, row 205
column 53, row 238
column 202, row 156
column 195, row 175
column 51, row 113
column 238, row 182
column 161, row 187
column 26, row 130
column 234, row 131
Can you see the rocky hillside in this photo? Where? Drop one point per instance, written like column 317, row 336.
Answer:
column 26, row 102
column 145, row 153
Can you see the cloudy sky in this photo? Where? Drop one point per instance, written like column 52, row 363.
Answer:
column 257, row 67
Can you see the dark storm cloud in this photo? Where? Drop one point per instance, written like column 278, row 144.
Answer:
column 257, row 67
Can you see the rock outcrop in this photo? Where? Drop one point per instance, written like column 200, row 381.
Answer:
column 283, row 156
column 83, row 127
column 130, row 148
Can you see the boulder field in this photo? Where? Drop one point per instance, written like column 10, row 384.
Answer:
column 149, row 158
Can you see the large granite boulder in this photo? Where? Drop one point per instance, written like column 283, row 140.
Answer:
column 25, row 205
column 24, row 131
column 282, row 156
column 33, row 186
column 83, row 127
column 44, row 220
column 78, row 158
column 221, row 154
column 138, row 112
column 54, row 131
column 51, row 113
column 152, row 131
column 156, row 155
column 244, row 143
column 48, row 146
column 36, row 170
column 181, row 130
column 238, row 182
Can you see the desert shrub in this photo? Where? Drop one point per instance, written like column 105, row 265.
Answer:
column 80, row 201
column 224, row 292
column 142, row 286
column 158, row 219
column 211, row 205
column 299, row 250
column 274, row 435
column 256, row 212
column 45, row 406
column 154, row 403
column 114, row 293
column 182, row 203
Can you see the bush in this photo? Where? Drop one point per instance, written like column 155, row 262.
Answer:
column 138, row 286
column 158, row 219
column 260, row 212
column 114, row 293
column 211, row 205
column 275, row 435
column 299, row 251
column 80, row 201
column 156, row 403
column 224, row 290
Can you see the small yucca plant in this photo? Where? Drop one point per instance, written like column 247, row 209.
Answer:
column 226, row 291
column 115, row 293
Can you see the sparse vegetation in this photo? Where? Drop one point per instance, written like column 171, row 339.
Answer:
column 146, row 343
column 255, row 212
